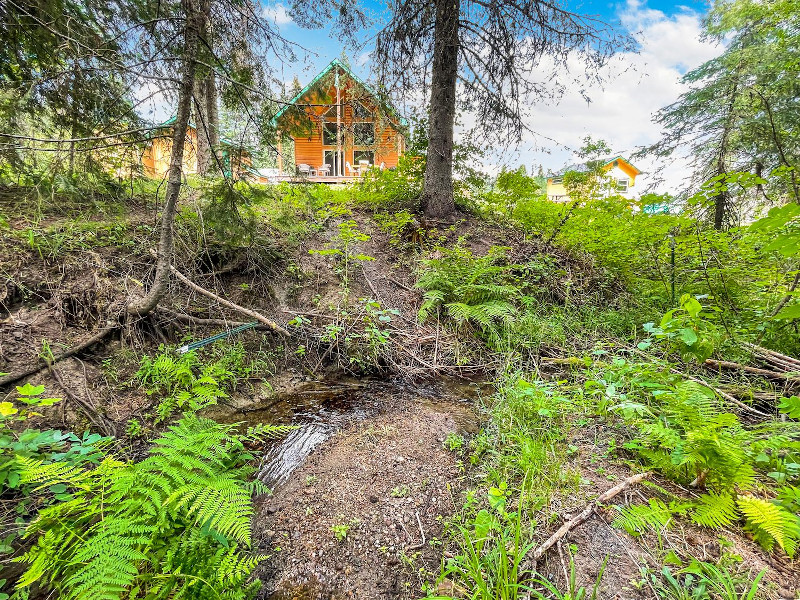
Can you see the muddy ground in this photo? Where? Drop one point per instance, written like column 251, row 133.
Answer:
column 363, row 516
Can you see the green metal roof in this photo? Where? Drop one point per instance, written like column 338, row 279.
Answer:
column 222, row 139
column 331, row 66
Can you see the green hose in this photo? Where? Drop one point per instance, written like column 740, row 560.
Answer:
column 214, row 338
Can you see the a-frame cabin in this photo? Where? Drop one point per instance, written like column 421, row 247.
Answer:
column 340, row 128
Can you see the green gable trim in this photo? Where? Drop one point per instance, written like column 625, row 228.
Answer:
column 331, row 66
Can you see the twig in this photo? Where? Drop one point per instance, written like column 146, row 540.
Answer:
column 421, row 532
column 369, row 283
column 398, row 284
column 563, row 562
column 241, row 309
column 586, row 513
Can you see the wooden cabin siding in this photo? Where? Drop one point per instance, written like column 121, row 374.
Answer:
column 156, row 157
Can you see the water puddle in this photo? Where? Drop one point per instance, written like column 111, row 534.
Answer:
column 320, row 409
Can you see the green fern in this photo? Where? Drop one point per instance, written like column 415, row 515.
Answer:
column 715, row 511
column 481, row 290
column 653, row 516
column 770, row 523
column 176, row 525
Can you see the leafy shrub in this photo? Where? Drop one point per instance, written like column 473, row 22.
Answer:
column 683, row 431
column 47, row 446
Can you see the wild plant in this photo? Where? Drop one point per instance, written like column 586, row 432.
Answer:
column 573, row 591
column 492, row 548
column 183, row 382
column 176, row 524
column 684, row 432
column 346, row 241
column 703, row 580
column 690, row 329
column 48, row 446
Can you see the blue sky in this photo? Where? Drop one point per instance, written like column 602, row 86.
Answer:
column 638, row 84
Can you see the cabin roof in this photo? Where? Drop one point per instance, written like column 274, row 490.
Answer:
column 336, row 63
column 585, row 168
column 225, row 141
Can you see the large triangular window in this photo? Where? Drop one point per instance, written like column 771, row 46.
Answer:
column 360, row 111
column 330, row 114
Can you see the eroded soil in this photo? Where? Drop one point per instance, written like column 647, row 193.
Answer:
column 384, row 484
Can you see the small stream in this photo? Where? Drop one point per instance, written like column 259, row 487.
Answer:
column 319, row 409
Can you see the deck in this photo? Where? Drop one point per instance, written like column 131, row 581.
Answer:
column 329, row 179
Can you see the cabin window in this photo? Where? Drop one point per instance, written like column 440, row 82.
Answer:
column 363, row 155
column 330, row 114
column 360, row 111
column 622, row 184
column 329, row 131
column 364, row 134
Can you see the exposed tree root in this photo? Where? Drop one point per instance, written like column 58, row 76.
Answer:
column 98, row 420
column 43, row 364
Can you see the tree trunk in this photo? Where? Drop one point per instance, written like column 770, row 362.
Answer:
column 437, row 191
column 207, row 125
column 722, row 199
column 166, row 246
column 206, row 113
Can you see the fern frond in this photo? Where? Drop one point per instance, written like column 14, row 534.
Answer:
column 638, row 520
column 771, row 523
column 715, row 511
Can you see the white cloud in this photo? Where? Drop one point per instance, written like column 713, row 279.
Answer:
column 278, row 14
column 621, row 112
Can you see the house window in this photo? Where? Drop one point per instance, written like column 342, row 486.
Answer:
column 363, row 134
column 622, row 184
column 330, row 114
column 557, row 181
column 363, row 155
column 329, row 131
column 360, row 111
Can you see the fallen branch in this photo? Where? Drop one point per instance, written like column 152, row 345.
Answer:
column 240, row 309
column 586, row 513
column 43, row 364
column 739, row 367
column 724, row 395
column 788, row 363
column 717, row 391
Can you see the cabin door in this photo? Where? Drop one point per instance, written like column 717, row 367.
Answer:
column 330, row 159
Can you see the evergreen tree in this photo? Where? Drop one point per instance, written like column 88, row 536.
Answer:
column 479, row 56
column 741, row 113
